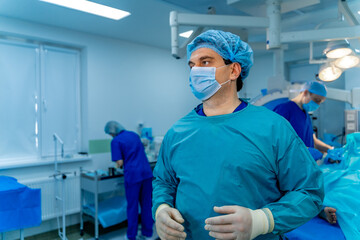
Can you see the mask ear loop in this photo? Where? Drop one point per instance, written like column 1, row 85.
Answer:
column 225, row 82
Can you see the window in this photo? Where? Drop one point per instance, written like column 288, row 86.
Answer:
column 39, row 96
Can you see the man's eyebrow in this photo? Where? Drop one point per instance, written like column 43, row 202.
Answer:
column 202, row 58
column 205, row 57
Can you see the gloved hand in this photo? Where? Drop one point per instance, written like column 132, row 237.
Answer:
column 334, row 155
column 316, row 154
column 238, row 223
column 168, row 224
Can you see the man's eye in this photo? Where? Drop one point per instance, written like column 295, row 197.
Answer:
column 205, row 62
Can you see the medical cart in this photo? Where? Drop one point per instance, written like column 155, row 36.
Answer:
column 97, row 184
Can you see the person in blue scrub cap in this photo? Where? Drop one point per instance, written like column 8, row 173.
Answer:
column 128, row 152
column 228, row 169
column 296, row 111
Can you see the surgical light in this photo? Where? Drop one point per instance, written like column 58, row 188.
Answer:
column 337, row 50
column 186, row 34
column 91, row 7
column 347, row 61
column 329, row 72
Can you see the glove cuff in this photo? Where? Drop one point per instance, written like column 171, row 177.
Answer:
column 262, row 222
column 162, row 206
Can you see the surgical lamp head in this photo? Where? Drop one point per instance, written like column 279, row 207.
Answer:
column 337, row 49
column 113, row 128
column 316, row 88
column 229, row 46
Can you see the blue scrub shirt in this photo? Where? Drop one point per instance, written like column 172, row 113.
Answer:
column 299, row 120
column 127, row 146
column 249, row 158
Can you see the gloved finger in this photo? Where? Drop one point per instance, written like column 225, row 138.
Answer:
column 228, row 228
column 166, row 217
column 171, row 234
column 170, row 223
column 220, row 220
column 229, row 236
column 226, row 209
column 175, row 214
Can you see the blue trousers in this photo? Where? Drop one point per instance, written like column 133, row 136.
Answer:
column 136, row 193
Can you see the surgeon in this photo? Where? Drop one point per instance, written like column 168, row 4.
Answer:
column 296, row 111
column 230, row 170
column 128, row 152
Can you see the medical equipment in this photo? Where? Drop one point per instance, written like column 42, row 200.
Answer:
column 59, row 178
column 352, row 121
column 108, row 212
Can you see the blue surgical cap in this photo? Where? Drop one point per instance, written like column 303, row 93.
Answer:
column 229, row 46
column 316, row 88
column 113, row 127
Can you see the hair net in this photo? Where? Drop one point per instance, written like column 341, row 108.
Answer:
column 229, row 46
column 316, row 88
column 113, row 127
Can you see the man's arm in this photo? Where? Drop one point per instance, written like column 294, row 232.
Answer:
column 168, row 220
column 320, row 145
column 301, row 181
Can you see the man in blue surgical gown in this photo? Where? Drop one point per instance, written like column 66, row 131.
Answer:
column 296, row 111
column 230, row 170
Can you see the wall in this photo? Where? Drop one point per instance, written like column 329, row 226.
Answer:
column 121, row 81
column 258, row 76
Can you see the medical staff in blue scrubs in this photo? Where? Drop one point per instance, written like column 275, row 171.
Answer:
column 128, row 151
column 228, row 169
column 296, row 111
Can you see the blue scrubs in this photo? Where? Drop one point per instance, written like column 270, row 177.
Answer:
column 299, row 120
column 249, row 158
column 127, row 146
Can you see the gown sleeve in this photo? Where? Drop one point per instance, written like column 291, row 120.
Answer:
column 300, row 180
column 165, row 182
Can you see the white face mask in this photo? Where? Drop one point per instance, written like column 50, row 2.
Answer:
column 203, row 83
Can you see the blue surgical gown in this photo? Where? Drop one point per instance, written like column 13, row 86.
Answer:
column 127, row 146
column 251, row 158
column 299, row 120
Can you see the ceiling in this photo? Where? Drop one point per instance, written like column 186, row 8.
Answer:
column 149, row 20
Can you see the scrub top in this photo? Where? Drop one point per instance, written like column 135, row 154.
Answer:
column 299, row 120
column 249, row 158
column 127, row 146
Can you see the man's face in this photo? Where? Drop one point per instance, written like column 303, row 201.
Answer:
column 206, row 57
column 316, row 98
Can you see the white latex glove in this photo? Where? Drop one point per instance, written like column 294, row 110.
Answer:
column 168, row 224
column 238, row 223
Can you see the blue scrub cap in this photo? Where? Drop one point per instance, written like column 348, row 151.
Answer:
column 113, row 127
column 316, row 88
column 229, row 46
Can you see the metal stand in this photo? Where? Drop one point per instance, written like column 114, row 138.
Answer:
column 59, row 178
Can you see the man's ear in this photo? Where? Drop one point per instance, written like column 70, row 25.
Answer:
column 236, row 71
